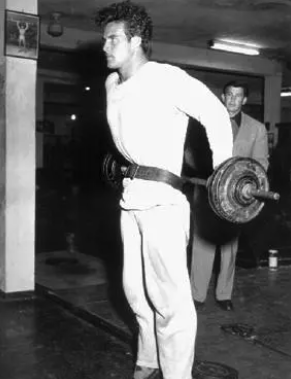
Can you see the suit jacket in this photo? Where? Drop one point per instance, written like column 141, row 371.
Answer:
column 251, row 141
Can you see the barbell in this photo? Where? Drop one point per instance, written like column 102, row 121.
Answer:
column 237, row 188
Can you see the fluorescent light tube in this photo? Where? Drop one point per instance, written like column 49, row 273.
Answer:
column 233, row 48
column 286, row 94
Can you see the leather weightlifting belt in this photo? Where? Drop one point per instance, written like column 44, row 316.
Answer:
column 114, row 171
column 154, row 174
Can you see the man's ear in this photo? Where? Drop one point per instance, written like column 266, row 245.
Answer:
column 135, row 41
column 223, row 97
column 244, row 100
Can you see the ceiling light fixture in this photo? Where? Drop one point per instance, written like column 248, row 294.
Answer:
column 286, row 92
column 235, row 47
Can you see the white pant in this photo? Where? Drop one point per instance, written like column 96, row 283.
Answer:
column 157, row 287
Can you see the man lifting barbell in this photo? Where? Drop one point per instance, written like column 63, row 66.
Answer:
column 148, row 107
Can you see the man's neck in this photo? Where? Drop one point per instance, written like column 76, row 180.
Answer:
column 131, row 68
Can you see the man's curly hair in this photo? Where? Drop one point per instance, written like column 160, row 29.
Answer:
column 135, row 17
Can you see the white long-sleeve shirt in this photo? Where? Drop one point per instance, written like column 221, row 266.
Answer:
column 148, row 118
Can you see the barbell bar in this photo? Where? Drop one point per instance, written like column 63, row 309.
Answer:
column 247, row 191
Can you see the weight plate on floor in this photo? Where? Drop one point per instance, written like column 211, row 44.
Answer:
column 213, row 370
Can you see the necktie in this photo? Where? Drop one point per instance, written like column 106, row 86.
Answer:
column 234, row 128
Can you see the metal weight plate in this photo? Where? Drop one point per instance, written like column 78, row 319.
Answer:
column 213, row 370
column 111, row 171
column 229, row 186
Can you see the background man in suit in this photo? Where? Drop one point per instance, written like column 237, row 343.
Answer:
column 249, row 140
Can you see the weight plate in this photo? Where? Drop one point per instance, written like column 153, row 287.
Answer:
column 111, row 170
column 229, row 186
column 213, row 370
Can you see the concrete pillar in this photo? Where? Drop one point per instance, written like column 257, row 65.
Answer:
column 272, row 101
column 39, row 119
column 17, row 162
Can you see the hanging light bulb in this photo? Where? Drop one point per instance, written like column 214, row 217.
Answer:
column 55, row 28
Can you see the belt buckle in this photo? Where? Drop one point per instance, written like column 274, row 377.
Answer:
column 131, row 171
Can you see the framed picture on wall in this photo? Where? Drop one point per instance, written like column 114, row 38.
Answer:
column 21, row 35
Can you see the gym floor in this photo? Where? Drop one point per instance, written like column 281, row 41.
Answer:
column 78, row 325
